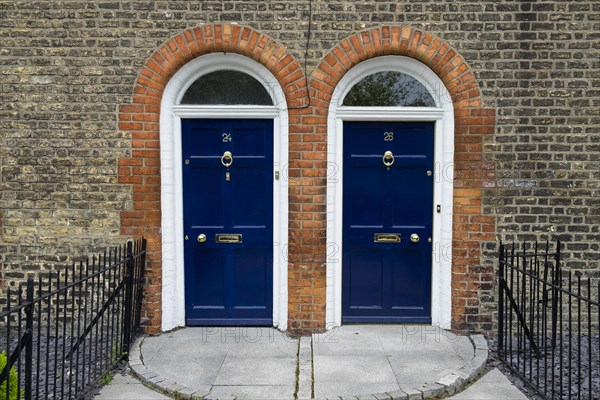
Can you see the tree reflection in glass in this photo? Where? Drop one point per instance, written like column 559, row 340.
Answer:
column 389, row 89
column 227, row 87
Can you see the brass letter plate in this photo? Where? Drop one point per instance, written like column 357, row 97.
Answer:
column 228, row 238
column 386, row 238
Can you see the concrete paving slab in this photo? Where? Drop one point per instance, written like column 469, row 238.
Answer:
column 355, row 360
column 348, row 344
column 247, row 371
column 424, row 342
column 253, row 392
column 492, row 386
column 352, row 375
column 286, row 349
column 336, row 390
column 125, row 387
column 231, row 335
column 412, row 367
column 250, row 341
column 188, row 371
column 368, row 329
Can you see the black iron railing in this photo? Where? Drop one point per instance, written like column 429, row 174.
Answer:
column 548, row 323
column 64, row 331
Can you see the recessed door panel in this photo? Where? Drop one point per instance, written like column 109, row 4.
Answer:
column 366, row 209
column 251, row 211
column 212, row 296
column 366, row 281
column 228, row 221
column 251, row 271
column 408, row 204
column 387, row 221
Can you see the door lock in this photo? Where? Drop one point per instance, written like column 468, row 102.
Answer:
column 414, row 238
column 201, row 238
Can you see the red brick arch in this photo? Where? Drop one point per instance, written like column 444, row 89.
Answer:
column 473, row 175
column 140, row 120
column 307, row 170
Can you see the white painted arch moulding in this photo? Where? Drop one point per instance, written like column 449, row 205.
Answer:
column 173, row 299
column 443, row 116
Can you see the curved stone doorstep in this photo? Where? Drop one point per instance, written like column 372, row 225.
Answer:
column 444, row 387
column 150, row 379
column 449, row 384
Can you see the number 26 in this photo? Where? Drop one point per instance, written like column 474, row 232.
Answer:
column 388, row 136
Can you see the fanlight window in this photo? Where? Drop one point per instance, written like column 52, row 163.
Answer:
column 227, row 87
column 389, row 89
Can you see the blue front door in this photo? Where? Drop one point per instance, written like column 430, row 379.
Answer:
column 228, row 221
column 387, row 222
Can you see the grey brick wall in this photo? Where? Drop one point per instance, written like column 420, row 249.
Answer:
column 65, row 65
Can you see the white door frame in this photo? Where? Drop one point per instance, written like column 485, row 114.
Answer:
column 443, row 116
column 171, row 113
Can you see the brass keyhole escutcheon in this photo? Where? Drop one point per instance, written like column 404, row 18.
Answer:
column 388, row 158
column 201, row 238
column 414, row 238
column 227, row 159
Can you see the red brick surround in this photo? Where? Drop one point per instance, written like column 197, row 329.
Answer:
column 140, row 119
column 471, row 174
column 308, row 157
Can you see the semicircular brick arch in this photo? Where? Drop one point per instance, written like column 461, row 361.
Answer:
column 140, row 120
column 471, row 277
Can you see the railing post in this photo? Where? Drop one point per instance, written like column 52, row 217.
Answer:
column 129, row 264
column 556, row 283
column 29, row 341
column 140, row 284
column 501, row 299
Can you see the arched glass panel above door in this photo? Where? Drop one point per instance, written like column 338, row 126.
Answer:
column 389, row 89
column 227, row 87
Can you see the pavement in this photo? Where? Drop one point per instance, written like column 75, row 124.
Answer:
column 350, row 362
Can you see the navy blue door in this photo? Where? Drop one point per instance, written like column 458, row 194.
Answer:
column 388, row 196
column 228, row 221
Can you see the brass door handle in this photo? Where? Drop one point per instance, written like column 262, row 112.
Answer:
column 201, row 238
column 227, row 159
column 414, row 238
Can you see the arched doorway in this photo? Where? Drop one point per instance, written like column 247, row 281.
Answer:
column 388, row 277
column 210, row 244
